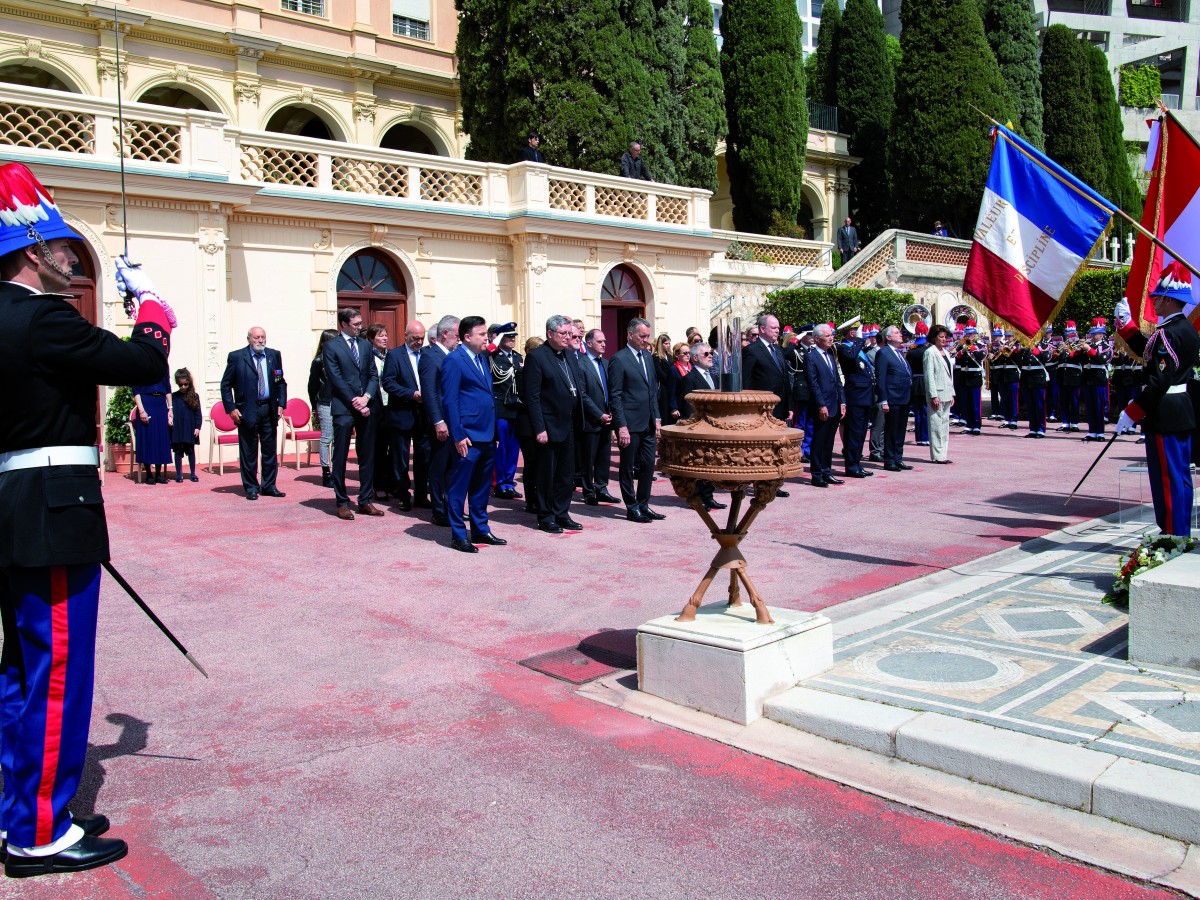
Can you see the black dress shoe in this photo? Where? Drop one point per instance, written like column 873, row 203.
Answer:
column 713, row 504
column 489, row 539
column 606, row 497
column 422, row 503
column 550, row 527
column 93, row 826
column 463, row 546
column 635, row 515
column 272, row 492
column 251, row 495
column 804, row 458
column 405, row 502
column 832, row 480
column 441, row 521
column 892, row 468
column 566, row 523
column 782, row 493
column 860, row 473
column 819, row 482
column 905, row 466
column 86, row 853
column 591, row 501
column 652, row 515
column 193, row 478
column 875, row 457
column 514, row 494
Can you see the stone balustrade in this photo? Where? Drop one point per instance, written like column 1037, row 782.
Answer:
column 53, row 125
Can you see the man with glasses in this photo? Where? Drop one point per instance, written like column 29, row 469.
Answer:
column 700, row 378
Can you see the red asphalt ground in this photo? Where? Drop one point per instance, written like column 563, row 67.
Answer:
column 368, row 732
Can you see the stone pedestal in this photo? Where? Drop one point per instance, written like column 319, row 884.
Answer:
column 727, row 664
column 1164, row 614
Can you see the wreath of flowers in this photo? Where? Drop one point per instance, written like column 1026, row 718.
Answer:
column 1151, row 553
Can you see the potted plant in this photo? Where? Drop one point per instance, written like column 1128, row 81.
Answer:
column 1151, row 553
column 116, row 435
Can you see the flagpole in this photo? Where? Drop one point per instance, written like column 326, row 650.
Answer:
column 1116, row 209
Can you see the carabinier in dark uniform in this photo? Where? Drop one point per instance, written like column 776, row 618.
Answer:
column 916, row 362
column 859, row 377
column 795, row 357
column 1163, row 408
column 1049, row 358
column 505, row 363
column 968, row 377
column 1008, row 377
column 53, row 535
column 1095, row 380
column 1034, row 378
column 993, row 384
column 1070, row 376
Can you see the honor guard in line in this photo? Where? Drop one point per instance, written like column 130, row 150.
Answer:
column 871, row 333
column 796, row 357
column 1126, row 374
column 956, row 417
column 993, row 385
column 1008, row 379
column 968, row 376
column 1163, row 407
column 920, row 411
column 53, row 535
column 1048, row 345
column 1096, row 359
column 1069, row 358
column 1034, row 378
column 505, row 363
column 859, row 380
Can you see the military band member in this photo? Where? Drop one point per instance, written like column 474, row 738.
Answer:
column 1095, row 379
column 993, row 383
column 968, row 376
column 53, row 535
column 1033, row 377
column 1070, row 377
column 1163, row 407
column 1048, row 346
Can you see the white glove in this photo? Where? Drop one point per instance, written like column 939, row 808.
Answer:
column 1125, row 425
column 135, row 285
column 1122, row 313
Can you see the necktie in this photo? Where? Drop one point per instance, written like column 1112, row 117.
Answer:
column 354, row 350
column 260, row 364
column 642, row 360
column 479, row 363
column 707, row 377
column 776, row 355
column 415, row 361
column 603, row 378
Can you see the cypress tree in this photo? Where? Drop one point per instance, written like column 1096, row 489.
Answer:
column 704, row 121
column 571, row 73
column 482, row 36
column 762, row 64
column 825, row 90
column 940, row 152
column 1069, row 115
column 1011, row 28
column 1120, row 186
column 866, row 100
column 656, row 30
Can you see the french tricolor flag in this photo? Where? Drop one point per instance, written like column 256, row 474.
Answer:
column 1038, row 225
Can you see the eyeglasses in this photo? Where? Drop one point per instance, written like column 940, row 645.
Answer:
column 706, row 355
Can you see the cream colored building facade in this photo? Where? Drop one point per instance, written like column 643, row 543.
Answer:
column 282, row 162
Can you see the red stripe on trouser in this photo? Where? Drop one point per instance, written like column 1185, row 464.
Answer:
column 1164, row 475
column 55, row 701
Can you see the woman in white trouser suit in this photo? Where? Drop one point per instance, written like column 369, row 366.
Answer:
column 939, row 388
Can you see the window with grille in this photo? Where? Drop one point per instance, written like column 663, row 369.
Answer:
column 413, row 28
column 308, row 7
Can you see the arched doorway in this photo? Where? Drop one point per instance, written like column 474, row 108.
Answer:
column 408, row 139
column 371, row 282
column 301, row 122
column 622, row 299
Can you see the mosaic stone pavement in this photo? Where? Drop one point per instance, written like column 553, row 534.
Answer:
column 1035, row 652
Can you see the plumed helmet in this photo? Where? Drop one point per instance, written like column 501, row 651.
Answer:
column 27, row 214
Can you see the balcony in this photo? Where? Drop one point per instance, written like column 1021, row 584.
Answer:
column 1160, row 10
column 51, row 126
column 822, row 116
column 1084, row 7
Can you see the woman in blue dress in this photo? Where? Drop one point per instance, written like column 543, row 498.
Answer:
column 152, row 429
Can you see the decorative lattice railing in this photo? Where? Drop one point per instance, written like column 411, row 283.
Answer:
column 930, row 252
column 620, row 203
column 444, row 186
column 570, row 196
column 43, row 128
column 362, row 176
column 778, row 254
column 275, row 165
column 152, row 142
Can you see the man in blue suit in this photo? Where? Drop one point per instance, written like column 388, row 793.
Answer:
column 469, row 408
column 894, row 381
column 253, row 392
column 828, row 405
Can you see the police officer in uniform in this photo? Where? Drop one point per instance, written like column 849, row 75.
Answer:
column 505, row 363
column 53, row 535
column 1163, row 408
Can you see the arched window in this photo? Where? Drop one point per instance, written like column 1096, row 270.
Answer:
column 32, row 76
column 622, row 299
column 301, row 122
column 174, row 96
column 371, row 282
column 408, row 139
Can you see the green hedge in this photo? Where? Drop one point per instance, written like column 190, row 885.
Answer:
column 1094, row 295
column 804, row 306
column 1140, row 87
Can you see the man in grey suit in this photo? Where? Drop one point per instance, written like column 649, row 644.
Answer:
column 430, row 372
column 353, row 380
column 633, row 400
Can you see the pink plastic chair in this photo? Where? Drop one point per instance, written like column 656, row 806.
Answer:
column 296, row 418
column 223, row 433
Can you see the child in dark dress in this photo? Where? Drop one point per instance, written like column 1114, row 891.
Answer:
column 186, row 419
